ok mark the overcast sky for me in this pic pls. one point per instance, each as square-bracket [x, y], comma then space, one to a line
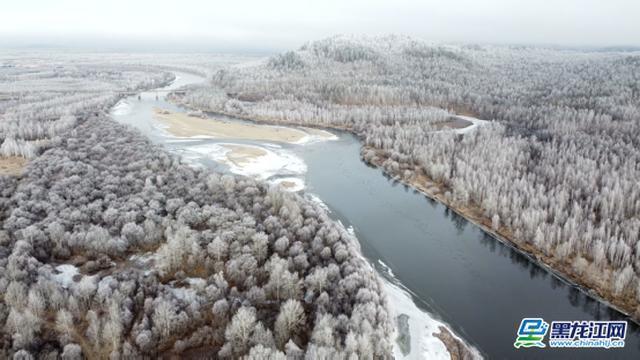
[282, 24]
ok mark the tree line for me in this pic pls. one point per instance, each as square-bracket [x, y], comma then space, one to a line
[557, 168]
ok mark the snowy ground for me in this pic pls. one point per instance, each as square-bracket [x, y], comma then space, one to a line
[291, 184]
[123, 107]
[64, 275]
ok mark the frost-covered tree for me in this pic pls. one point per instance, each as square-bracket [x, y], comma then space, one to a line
[290, 320]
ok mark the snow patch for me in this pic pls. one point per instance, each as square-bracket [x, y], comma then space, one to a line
[185, 294]
[273, 162]
[292, 184]
[421, 326]
[196, 282]
[311, 138]
[65, 274]
[122, 108]
[351, 231]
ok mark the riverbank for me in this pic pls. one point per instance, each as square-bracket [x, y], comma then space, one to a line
[597, 288]
[457, 349]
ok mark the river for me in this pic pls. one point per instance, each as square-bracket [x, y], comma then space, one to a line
[452, 270]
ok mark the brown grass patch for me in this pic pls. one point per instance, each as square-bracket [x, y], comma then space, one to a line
[183, 125]
[12, 165]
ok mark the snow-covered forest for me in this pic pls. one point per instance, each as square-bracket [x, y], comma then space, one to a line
[41, 101]
[112, 248]
[556, 172]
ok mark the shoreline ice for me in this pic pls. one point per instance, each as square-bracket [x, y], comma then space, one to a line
[274, 161]
[422, 325]
[122, 108]
[298, 184]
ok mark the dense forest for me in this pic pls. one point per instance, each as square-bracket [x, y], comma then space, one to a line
[112, 248]
[556, 171]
